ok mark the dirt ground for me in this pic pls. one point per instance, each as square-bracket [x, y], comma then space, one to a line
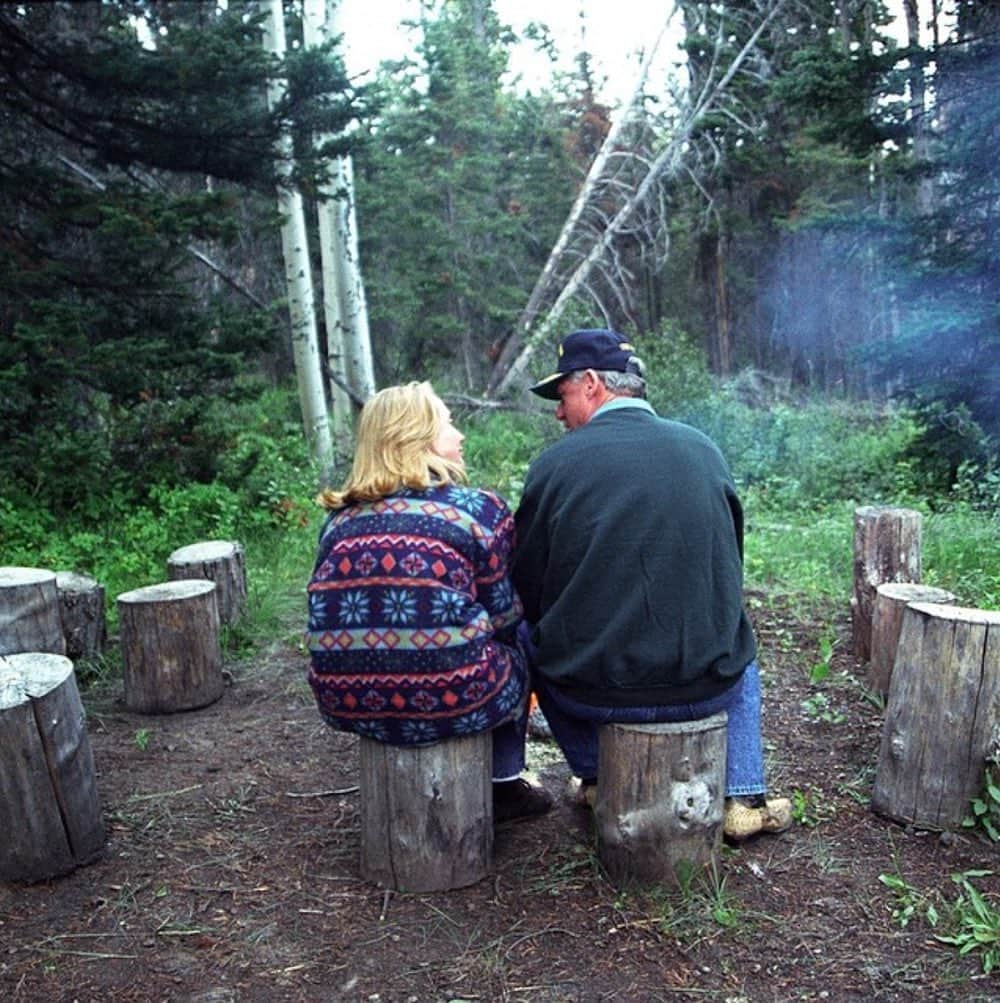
[231, 872]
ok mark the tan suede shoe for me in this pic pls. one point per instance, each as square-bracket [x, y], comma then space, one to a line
[741, 821]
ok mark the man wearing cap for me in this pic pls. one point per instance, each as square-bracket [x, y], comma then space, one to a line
[629, 564]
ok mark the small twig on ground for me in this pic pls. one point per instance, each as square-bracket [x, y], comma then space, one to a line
[387, 894]
[163, 794]
[322, 794]
[442, 914]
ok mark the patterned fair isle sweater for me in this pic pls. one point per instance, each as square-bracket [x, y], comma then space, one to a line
[412, 617]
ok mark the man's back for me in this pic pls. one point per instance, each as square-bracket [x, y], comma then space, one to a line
[629, 562]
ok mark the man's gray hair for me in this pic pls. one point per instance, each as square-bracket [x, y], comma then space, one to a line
[630, 384]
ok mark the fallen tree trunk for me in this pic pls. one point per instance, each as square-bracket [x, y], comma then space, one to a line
[666, 163]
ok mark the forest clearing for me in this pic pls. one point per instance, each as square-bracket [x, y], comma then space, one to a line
[216, 244]
[231, 871]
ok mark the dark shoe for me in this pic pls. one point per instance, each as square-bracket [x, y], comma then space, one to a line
[516, 800]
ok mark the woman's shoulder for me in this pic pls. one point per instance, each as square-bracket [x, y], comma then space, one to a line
[483, 504]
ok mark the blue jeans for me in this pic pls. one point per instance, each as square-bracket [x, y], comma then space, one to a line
[575, 728]
[508, 743]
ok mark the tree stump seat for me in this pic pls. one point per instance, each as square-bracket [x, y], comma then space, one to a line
[427, 813]
[660, 799]
[48, 795]
[219, 561]
[886, 549]
[29, 611]
[170, 645]
[942, 721]
[81, 606]
[891, 600]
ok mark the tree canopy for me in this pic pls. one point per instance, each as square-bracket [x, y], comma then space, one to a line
[829, 219]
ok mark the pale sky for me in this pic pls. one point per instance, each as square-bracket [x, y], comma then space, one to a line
[616, 31]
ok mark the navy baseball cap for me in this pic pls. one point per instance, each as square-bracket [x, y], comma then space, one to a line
[590, 349]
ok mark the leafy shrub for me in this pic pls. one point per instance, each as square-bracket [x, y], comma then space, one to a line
[815, 453]
[499, 447]
[677, 371]
[948, 439]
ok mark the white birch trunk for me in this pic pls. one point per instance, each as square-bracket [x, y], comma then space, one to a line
[348, 337]
[298, 272]
[357, 338]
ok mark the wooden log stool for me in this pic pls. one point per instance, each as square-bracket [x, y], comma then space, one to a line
[219, 561]
[81, 607]
[886, 549]
[170, 646]
[48, 796]
[891, 600]
[427, 813]
[29, 611]
[942, 721]
[660, 799]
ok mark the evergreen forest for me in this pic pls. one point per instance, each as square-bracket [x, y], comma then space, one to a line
[795, 222]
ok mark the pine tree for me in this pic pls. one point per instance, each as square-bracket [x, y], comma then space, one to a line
[116, 115]
[461, 188]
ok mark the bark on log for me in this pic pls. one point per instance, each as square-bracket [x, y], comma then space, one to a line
[886, 549]
[81, 606]
[29, 611]
[891, 601]
[170, 646]
[427, 813]
[48, 795]
[660, 798]
[219, 561]
[943, 717]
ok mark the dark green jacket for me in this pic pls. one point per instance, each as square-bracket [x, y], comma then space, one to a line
[629, 563]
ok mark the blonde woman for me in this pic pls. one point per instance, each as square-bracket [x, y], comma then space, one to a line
[412, 617]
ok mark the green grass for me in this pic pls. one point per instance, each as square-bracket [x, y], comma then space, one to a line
[802, 472]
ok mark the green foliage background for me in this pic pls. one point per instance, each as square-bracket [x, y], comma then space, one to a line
[838, 339]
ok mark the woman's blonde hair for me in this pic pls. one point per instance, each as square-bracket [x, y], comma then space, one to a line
[395, 448]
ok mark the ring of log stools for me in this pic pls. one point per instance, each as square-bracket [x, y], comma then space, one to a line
[660, 799]
[427, 813]
[48, 795]
[171, 652]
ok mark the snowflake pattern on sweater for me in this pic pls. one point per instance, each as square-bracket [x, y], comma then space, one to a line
[413, 621]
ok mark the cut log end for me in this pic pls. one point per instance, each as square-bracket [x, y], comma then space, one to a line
[48, 794]
[30, 675]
